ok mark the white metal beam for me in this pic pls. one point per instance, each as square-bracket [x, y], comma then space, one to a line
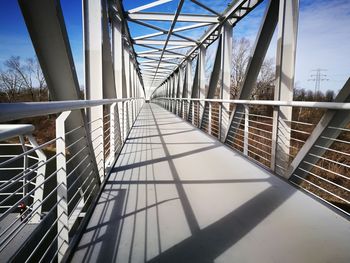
[159, 55]
[109, 90]
[169, 17]
[226, 78]
[162, 42]
[164, 32]
[93, 76]
[212, 33]
[147, 6]
[213, 81]
[45, 18]
[256, 59]
[285, 67]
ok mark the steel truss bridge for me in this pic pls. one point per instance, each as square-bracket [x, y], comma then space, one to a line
[155, 164]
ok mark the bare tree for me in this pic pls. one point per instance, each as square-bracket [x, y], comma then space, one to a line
[10, 84]
[265, 84]
[28, 74]
[14, 64]
[34, 69]
[240, 58]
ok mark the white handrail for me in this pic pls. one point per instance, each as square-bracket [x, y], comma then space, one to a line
[304, 104]
[8, 131]
[15, 111]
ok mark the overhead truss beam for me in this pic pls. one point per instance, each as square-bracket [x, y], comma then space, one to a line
[169, 17]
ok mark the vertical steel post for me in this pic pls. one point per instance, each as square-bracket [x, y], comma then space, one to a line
[39, 181]
[171, 93]
[127, 85]
[173, 77]
[188, 85]
[246, 130]
[214, 80]
[93, 76]
[131, 92]
[112, 134]
[202, 82]
[62, 197]
[176, 86]
[135, 92]
[180, 91]
[226, 78]
[285, 67]
[25, 165]
[109, 89]
[118, 66]
[209, 118]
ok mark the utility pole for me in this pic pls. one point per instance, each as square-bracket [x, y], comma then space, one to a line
[318, 77]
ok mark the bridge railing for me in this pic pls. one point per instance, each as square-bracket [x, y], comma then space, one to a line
[48, 184]
[279, 144]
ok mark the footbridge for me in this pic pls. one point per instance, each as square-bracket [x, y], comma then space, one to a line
[156, 164]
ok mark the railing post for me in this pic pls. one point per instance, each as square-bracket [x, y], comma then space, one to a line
[39, 193]
[125, 119]
[112, 135]
[62, 198]
[197, 110]
[127, 112]
[180, 108]
[176, 106]
[210, 117]
[274, 137]
[220, 119]
[25, 164]
[192, 107]
[132, 112]
[246, 130]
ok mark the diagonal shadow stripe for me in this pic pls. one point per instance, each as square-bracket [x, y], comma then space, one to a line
[189, 214]
[223, 181]
[166, 158]
[207, 244]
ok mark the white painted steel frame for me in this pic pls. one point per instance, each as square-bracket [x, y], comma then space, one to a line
[236, 11]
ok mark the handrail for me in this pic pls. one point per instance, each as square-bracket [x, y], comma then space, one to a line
[15, 111]
[305, 104]
[11, 130]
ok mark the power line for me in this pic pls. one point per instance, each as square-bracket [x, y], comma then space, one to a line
[318, 77]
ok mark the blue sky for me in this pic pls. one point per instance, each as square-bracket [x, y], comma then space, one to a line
[323, 37]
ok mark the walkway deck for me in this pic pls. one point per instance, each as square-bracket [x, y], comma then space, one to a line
[178, 195]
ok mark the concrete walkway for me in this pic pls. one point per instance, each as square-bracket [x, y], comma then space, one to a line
[178, 195]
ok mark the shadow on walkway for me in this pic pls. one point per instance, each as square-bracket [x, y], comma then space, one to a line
[101, 241]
